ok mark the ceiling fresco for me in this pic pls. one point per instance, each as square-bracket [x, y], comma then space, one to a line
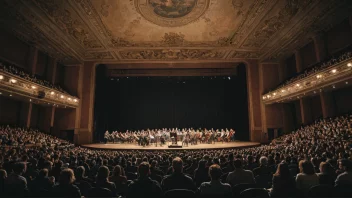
[113, 31]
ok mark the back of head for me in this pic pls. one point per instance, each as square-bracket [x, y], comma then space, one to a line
[177, 165]
[117, 170]
[80, 171]
[103, 173]
[19, 168]
[346, 164]
[306, 167]
[237, 163]
[3, 174]
[215, 172]
[143, 169]
[263, 161]
[43, 173]
[283, 170]
[67, 177]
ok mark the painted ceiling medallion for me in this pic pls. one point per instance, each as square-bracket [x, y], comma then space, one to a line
[171, 13]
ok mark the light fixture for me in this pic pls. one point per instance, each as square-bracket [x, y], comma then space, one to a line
[333, 71]
[52, 93]
[349, 64]
[30, 100]
[229, 78]
[268, 96]
[0, 93]
[297, 84]
[315, 92]
[319, 76]
[1, 77]
[13, 80]
[69, 99]
[62, 96]
[74, 100]
[274, 94]
[10, 94]
[34, 87]
[333, 87]
[346, 82]
[283, 91]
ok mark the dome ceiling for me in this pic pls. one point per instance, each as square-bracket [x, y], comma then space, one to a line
[114, 31]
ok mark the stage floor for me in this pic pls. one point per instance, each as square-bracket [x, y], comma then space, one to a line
[126, 146]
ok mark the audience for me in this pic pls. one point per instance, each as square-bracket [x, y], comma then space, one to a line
[47, 164]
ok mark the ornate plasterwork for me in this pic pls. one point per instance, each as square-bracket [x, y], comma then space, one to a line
[167, 14]
[89, 30]
[172, 54]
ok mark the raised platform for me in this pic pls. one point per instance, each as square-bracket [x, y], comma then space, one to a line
[125, 146]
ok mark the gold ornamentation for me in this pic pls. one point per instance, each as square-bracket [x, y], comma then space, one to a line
[171, 13]
[173, 39]
[172, 54]
[242, 54]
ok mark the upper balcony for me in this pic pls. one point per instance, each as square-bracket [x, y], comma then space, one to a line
[325, 76]
[22, 86]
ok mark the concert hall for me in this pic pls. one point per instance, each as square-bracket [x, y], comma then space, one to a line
[176, 98]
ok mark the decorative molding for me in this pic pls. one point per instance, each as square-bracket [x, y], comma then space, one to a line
[172, 54]
[167, 14]
[301, 87]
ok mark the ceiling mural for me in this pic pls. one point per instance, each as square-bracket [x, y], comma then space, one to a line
[169, 30]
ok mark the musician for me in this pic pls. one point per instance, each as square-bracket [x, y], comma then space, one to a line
[106, 136]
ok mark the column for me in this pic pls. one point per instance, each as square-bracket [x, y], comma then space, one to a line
[51, 75]
[85, 112]
[306, 115]
[282, 71]
[287, 118]
[32, 65]
[326, 100]
[254, 101]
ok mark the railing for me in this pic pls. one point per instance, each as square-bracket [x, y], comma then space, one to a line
[11, 83]
[340, 71]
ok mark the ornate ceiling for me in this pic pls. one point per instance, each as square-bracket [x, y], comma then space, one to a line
[114, 31]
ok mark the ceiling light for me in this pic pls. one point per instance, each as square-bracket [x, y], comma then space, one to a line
[13, 80]
[1, 77]
[52, 93]
[34, 87]
[334, 71]
[349, 64]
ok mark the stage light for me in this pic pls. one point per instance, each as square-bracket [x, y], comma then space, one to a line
[349, 64]
[13, 81]
[34, 87]
[333, 71]
[52, 93]
[1, 77]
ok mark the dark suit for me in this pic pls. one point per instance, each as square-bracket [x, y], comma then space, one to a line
[144, 187]
[282, 187]
[177, 181]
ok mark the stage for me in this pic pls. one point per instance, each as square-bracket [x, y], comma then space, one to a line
[127, 146]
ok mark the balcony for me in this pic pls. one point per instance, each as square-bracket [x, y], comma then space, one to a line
[22, 89]
[336, 73]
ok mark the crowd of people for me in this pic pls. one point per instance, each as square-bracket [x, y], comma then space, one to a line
[30, 77]
[315, 69]
[318, 155]
[161, 136]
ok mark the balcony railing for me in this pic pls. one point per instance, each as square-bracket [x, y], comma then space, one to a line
[317, 80]
[11, 83]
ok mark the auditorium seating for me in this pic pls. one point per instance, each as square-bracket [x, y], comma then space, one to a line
[325, 140]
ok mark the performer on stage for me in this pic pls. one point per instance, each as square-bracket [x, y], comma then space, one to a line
[106, 136]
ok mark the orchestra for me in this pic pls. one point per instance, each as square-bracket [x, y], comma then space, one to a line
[161, 136]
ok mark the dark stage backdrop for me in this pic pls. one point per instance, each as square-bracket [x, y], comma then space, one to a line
[136, 103]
